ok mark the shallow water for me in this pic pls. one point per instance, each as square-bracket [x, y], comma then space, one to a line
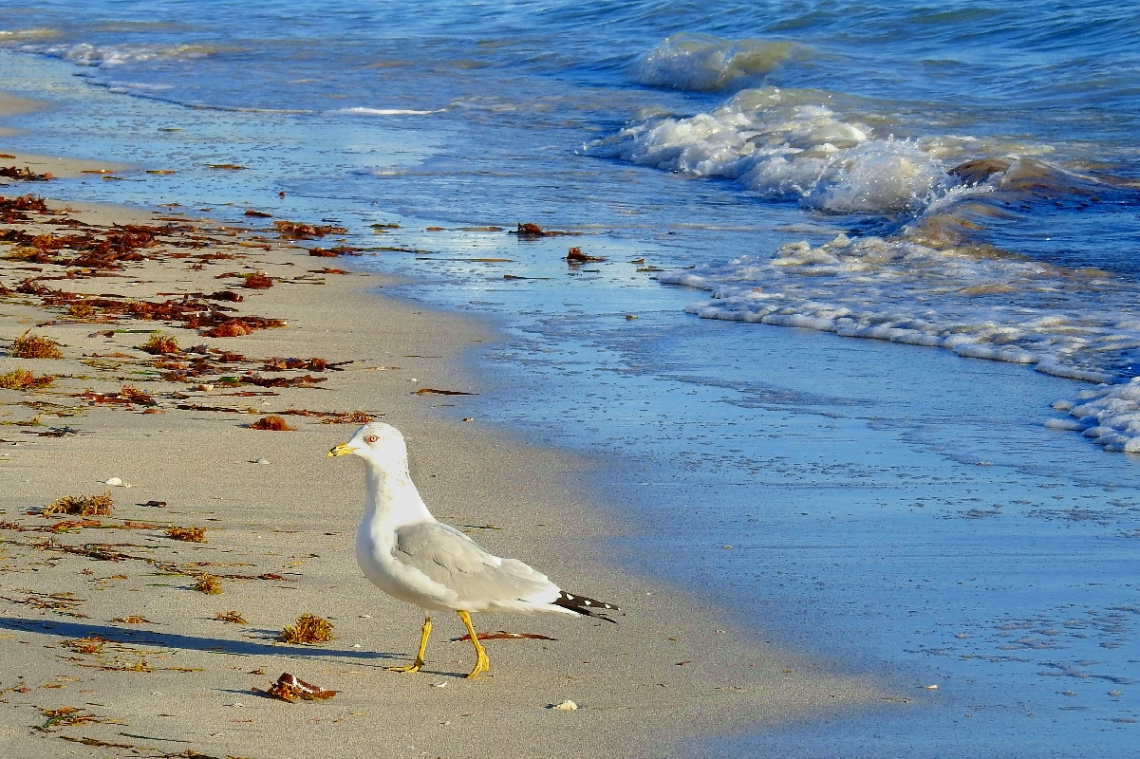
[964, 178]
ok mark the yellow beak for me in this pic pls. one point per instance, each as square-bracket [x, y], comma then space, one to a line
[340, 450]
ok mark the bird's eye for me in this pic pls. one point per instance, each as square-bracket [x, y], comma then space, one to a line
[371, 439]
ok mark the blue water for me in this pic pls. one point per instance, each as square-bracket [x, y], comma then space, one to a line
[962, 177]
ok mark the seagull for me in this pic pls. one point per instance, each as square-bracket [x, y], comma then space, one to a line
[405, 552]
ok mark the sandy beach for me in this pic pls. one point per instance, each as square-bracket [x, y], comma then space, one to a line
[107, 647]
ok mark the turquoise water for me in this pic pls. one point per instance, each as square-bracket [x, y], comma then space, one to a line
[960, 177]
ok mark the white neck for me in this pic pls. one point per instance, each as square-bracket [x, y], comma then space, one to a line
[391, 496]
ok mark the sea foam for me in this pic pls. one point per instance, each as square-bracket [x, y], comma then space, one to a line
[788, 145]
[963, 299]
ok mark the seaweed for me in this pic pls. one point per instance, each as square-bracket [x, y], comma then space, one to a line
[83, 505]
[65, 716]
[187, 534]
[340, 250]
[208, 584]
[28, 345]
[350, 417]
[314, 364]
[577, 257]
[291, 230]
[257, 281]
[127, 396]
[161, 345]
[529, 231]
[272, 423]
[24, 175]
[22, 379]
[308, 628]
[232, 617]
[131, 620]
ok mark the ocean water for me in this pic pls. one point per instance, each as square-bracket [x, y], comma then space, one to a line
[763, 181]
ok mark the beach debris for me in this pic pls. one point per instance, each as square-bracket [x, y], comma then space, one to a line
[132, 620]
[576, 256]
[186, 534]
[258, 214]
[433, 391]
[128, 395]
[12, 209]
[232, 617]
[28, 345]
[565, 706]
[272, 422]
[349, 417]
[63, 603]
[22, 379]
[530, 231]
[65, 716]
[227, 166]
[23, 175]
[155, 504]
[930, 687]
[291, 688]
[340, 250]
[161, 345]
[82, 505]
[257, 281]
[260, 461]
[308, 628]
[291, 230]
[314, 364]
[208, 584]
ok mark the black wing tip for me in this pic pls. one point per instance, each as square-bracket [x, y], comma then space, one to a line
[587, 607]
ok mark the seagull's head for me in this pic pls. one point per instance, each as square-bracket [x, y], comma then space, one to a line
[378, 443]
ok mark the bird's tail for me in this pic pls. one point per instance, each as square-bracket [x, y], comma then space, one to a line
[587, 607]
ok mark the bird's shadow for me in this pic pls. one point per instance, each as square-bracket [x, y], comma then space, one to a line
[162, 639]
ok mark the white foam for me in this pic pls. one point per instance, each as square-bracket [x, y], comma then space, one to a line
[973, 302]
[95, 56]
[361, 111]
[1108, 414]
[787, 144]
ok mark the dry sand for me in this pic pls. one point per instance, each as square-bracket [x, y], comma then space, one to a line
[101, 616]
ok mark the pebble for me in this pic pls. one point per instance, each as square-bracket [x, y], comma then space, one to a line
[565, 706]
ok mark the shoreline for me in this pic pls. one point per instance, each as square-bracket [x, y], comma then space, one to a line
[679, 671]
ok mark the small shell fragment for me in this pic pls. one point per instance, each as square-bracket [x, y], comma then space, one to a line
[930, 687]
[114, 482]
[565, 706]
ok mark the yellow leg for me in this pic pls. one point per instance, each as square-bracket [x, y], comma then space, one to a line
[419, 662]
[482, 663]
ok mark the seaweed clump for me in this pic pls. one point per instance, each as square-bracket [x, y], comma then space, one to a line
[161, 345]
[187, 534]
[272, 422]
[308, 628]
[208, 584]
[82, 505]
[28, 345]
[22, 379]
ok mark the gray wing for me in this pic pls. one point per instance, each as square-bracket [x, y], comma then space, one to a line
[478, 579]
